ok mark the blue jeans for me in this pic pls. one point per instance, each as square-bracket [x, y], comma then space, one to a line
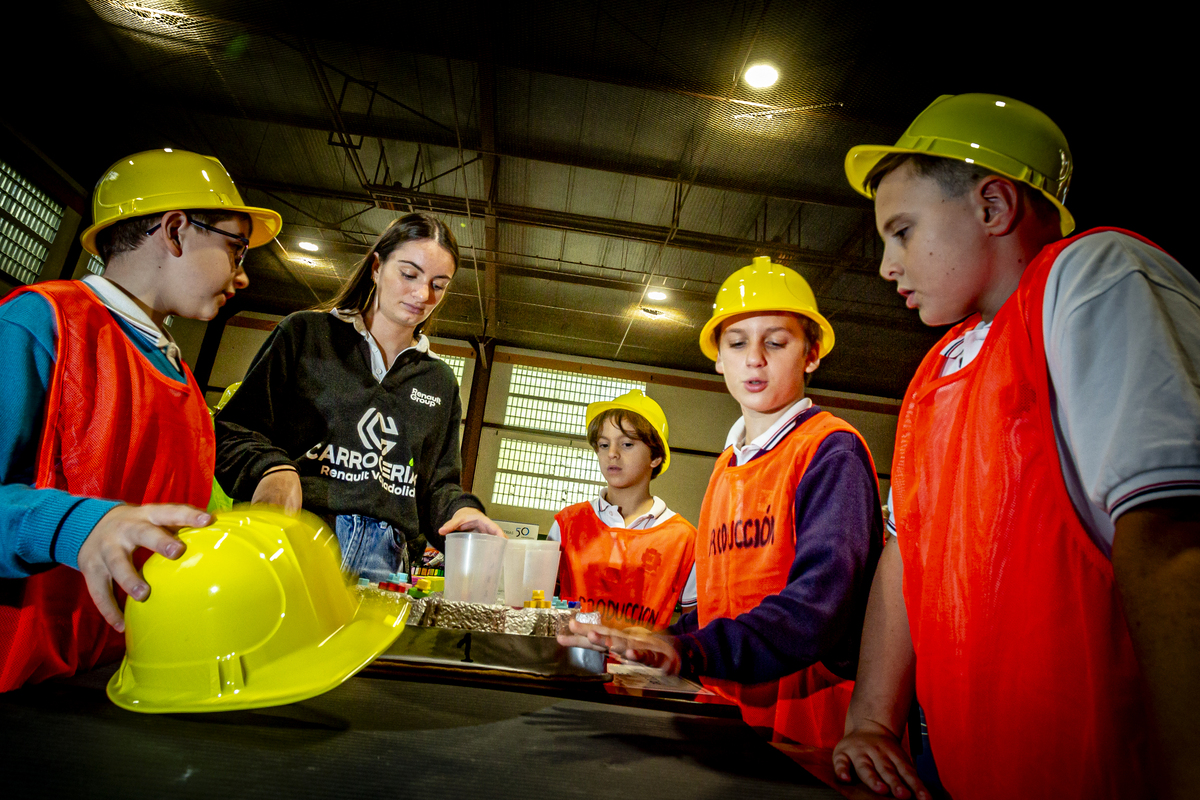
[369, 547]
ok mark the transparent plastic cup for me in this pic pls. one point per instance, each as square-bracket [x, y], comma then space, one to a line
[473, 563]
[529, 564]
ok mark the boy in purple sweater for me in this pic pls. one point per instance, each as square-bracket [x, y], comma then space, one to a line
[790, 530]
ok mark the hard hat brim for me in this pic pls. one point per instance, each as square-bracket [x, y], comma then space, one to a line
[301, 675]
[265, 224]
[708, 334]
[863, 158]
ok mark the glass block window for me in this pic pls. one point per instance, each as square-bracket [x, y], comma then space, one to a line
[549, 477]
[456, 363]
[29, 222]
[556, 401]
[95, 265]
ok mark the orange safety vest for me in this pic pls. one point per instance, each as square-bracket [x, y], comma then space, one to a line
[748, 547]
[115, 428]
[1025, 667]
[632, 577]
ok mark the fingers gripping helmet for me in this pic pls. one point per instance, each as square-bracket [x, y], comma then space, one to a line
[1006, 136]
[255, 613]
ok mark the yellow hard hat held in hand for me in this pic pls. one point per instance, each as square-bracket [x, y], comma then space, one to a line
[765, 288]
[255, 613]
[158, 181]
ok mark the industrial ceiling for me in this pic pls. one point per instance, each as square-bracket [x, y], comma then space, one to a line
[588, 154]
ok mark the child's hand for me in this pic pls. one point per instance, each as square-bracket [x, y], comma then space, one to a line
[471, 519]
[280, 488]
[880, 762]
[641, 646]
[107, 552]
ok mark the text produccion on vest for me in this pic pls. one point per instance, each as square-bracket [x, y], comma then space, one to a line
[742, 534]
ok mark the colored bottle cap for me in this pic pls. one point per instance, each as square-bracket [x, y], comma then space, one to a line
[364, 581]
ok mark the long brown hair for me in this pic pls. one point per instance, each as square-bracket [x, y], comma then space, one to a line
[355, 295]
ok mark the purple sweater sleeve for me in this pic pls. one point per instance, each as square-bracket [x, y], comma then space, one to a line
[818, 615]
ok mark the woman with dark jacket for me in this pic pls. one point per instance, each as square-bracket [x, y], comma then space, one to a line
[346, 411]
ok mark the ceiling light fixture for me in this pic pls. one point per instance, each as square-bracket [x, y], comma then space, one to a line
[309, 246]
[656, 295]
[760, 76]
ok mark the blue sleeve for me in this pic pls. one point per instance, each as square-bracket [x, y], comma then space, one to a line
[818, 615]
[38, 527]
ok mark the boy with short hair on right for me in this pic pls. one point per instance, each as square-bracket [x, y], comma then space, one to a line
[624, 553]
[1042, 591]
[790, 530]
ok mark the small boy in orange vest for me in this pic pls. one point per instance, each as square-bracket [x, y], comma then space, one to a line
[624, 553]
[106, 445]
[790, 530]
[1042, 594]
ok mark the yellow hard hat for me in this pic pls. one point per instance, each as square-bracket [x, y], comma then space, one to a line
[764, 287]
[1004, 135]
[229, 392]
[637, 402]
[255, 613]
[158, 181]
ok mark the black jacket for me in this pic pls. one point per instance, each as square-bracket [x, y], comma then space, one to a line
[386, 450]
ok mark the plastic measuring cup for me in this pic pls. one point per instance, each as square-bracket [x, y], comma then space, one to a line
[529, 564]
[473, 562]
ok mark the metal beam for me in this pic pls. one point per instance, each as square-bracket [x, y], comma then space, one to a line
[399, 130]
[398, 199]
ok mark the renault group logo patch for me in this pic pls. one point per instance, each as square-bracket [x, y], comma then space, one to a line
[424, 399]
[371, 428]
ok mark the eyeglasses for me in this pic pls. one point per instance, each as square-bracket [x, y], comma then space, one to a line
[238, 257]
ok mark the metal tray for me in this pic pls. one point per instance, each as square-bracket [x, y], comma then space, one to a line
[530, 656]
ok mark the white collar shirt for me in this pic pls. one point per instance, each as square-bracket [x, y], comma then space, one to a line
[743, 452]
[121, 304]
[379, 367]
[962, 351]
[610, 514]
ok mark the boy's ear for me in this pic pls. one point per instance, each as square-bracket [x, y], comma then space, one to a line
[170, 223]
[814, 361]
[654, 462]
[997, 202]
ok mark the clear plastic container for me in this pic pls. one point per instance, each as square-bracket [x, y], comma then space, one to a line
[529, 564]
[473, 563]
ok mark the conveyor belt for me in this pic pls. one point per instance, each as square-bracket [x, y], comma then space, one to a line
[383, 738]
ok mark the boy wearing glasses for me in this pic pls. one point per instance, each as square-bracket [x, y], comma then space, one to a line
[105, 441]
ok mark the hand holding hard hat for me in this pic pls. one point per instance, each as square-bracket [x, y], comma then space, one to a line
[256, 613]
[107, 553]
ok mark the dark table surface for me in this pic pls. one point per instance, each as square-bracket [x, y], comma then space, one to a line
[382, 735]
